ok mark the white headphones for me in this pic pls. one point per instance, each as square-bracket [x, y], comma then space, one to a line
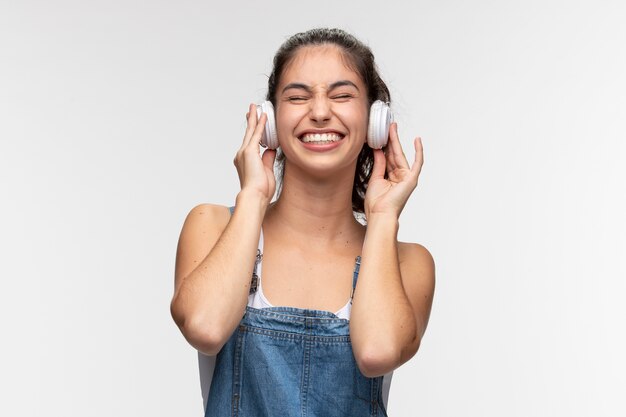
[381, 118]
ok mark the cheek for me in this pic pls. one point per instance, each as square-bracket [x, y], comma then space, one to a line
[284, 128]
[286, 122]
[357, 118]
[280, 124]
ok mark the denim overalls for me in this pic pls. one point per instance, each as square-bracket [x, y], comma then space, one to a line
[292, 362]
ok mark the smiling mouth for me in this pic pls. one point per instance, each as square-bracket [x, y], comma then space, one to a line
[320, 138]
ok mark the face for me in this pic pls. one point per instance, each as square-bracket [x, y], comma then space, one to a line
[321, 111]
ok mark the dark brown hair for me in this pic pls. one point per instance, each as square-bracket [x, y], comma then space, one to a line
[361, 60]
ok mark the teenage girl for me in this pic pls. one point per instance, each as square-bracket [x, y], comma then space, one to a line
[295, 306]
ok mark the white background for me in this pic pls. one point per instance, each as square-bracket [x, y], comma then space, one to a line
[117, 117]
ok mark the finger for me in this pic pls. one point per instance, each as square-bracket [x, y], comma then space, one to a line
[396, 148]
[255, 138]
[391, 161]
[380, 163]
[252, 123]
[419, 157]
[268, 157]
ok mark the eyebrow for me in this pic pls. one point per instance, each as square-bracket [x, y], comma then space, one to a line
[307, 88]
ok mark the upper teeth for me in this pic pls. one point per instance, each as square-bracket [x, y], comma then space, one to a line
[321, 137]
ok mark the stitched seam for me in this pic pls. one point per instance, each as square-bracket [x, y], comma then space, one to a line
[284, 314]
[297, 336]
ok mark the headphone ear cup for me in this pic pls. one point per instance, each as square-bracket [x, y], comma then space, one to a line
[380, 121]
[269, 137]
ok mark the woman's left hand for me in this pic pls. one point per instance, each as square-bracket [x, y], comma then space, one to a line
[389, 195]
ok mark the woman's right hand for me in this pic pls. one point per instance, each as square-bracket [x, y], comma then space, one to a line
[256, 172]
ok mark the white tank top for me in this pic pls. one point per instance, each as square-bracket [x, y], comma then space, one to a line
[258, 300]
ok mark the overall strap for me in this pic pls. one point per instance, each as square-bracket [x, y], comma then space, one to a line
[355, 275]
[231, 209]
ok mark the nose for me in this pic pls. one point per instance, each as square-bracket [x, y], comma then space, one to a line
[320, 109]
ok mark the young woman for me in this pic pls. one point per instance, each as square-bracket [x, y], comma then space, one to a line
[339, 304]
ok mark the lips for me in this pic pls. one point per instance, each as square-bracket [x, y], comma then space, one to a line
[321, 137]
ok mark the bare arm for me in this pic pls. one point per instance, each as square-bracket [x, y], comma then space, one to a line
[216, 254]
[213, 270]
[392, 300]
[394, 293]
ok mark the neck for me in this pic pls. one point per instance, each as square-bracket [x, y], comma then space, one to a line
[318, 209]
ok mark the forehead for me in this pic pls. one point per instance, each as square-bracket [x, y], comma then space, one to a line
[319, 64]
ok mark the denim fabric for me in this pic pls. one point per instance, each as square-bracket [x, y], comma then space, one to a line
[286, 361]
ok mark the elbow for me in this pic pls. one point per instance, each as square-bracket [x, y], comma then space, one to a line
[380, 360]
[204, 337]
[376, 362]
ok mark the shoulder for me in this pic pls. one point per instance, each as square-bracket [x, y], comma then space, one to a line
[207, 215]
[416, 255]
[204, 223]
[417, 268]
[203, 226]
